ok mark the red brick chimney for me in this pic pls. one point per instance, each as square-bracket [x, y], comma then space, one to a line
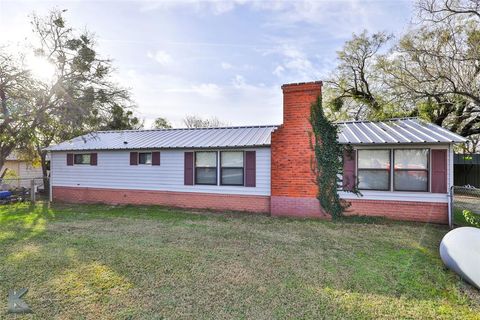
[293, 188]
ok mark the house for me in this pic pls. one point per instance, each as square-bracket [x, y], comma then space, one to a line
[404, 166]
[18, 172]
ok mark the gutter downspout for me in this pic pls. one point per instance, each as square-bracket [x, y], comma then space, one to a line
[451, 187]
[50, 191]
[450, 207]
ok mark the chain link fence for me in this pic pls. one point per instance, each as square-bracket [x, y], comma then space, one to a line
[24, 189]
[466, 206]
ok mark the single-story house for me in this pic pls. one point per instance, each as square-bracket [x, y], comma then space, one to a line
[18, 172]
[404, 167]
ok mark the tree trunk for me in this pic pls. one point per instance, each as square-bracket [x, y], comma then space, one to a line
[4, 153]
[43, 161]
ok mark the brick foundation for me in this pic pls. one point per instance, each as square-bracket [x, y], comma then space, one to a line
[257, 204]
[401, 210]
[296, 207]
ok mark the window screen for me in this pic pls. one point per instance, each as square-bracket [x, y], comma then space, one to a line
[373, 169]
[145, 158]
[411, 169]
[82, 158]
[206, 168]
[232, 168]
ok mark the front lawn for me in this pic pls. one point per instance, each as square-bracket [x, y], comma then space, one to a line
[102, 262]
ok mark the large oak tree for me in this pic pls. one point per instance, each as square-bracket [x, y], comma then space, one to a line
[432, 71]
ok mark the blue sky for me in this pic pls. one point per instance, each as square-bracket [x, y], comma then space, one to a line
[218, 58]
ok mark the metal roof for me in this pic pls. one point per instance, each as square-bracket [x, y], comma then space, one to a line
[394, 131]
[405, 130]
[228, 137]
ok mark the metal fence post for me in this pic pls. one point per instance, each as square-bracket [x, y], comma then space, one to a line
[32, 190]
[450, 207]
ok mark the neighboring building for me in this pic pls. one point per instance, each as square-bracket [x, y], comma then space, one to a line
[404, 166]
[22, 170]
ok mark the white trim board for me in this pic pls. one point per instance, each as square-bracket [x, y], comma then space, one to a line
[396, 196]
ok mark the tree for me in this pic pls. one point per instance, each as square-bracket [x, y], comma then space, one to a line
[161, 123]
[436, 67]
[439, 11]
[433, 71]
[16, 104]
[355, 89]
[121, 119]
[194, 121]
[81, 96]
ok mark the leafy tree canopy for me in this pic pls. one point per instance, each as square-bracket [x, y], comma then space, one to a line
[432, 71]
[162, 123]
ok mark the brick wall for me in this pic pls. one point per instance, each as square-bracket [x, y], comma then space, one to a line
[293, 184]
[296, 207]
[401, 210]
[258, 204]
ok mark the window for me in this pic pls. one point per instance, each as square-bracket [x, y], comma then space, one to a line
[206, 168]
[374, 169]
[144, 158]
[231, 168]
[410, 170]
[83, 158]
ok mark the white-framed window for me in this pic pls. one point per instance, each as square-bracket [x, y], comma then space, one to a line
[145, 158]
[232, 168]
[373, 169]
[393, 169]
[82, 158]
[411, 169]
[206, 167]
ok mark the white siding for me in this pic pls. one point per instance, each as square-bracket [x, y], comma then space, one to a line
[115, 172]
[402, 195]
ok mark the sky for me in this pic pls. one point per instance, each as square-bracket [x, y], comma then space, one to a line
[226, 59]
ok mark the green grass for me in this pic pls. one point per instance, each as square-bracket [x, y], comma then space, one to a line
[103, 262]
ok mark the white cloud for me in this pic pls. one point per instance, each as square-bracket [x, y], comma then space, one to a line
[295, 64]
[208, 90]
[226, 66]
[278, 71]
[161, 57]
[238, 102]
[238, 81]
[217, 7]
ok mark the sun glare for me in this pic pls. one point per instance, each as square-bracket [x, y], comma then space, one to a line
[41, 68]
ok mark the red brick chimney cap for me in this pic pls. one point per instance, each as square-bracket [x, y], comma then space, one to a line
[300, 86]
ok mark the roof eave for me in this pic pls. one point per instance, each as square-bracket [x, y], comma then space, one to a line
[163, 148]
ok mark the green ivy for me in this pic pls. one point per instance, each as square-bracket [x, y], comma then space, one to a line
[329, 161]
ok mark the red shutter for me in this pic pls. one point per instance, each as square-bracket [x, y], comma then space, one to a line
[439, 171]
[188, 169]
[69, 159]
[93, 159]
[133, 158]
[349, 164]
[155, 158]
[250, 169]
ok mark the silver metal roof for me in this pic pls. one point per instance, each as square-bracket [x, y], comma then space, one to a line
[406, 130]
[228, 137]
[395, 131]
